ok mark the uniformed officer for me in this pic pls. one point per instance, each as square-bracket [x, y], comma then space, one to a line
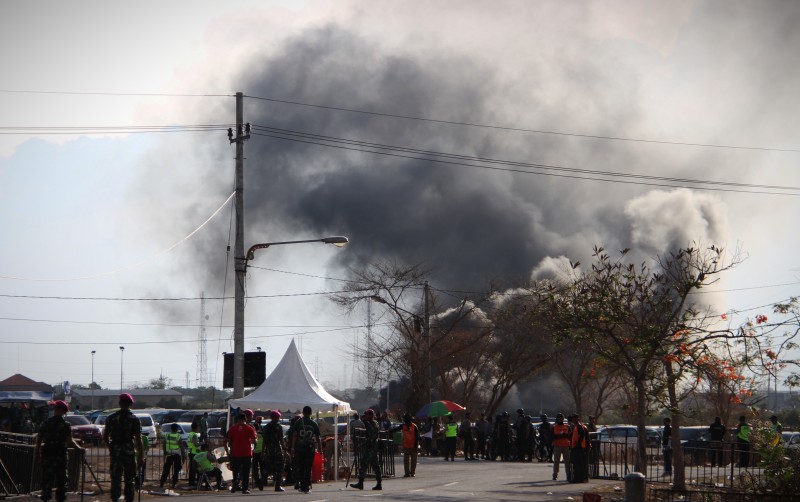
[305, 442]
[368, 451]
[207, 464]
[172, 456]
[141, 461]
[258, 455]
[193, 447]
[450, 438]
[123, 435]
[56, 434]
[274, 449]
[743, 430]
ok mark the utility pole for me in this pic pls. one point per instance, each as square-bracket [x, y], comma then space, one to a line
[428, 336]
[240, 260]
[202, 372]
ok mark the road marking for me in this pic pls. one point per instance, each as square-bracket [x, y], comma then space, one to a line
[417, 490]
[451, 484]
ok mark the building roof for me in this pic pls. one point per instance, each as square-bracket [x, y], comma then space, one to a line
[20, 382]
[132, 392]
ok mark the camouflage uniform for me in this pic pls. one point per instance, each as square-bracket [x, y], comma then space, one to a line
[54, 433]
[122, 427]
[368, 450]
[273, 451]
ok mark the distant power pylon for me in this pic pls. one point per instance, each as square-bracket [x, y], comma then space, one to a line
[202, 371]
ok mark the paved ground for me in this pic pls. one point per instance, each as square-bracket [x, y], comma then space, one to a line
[439, 480]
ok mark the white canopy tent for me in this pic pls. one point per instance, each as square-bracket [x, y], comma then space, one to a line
[291, 386]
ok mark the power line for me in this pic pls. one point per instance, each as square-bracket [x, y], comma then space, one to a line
[542, 166]
[348, 141]
[304, 275]
[169, 325]
[165, 299]
[411, 117]
[166, 342]
[151, 94]
[132, 265]
[89, 130]
[519, 129]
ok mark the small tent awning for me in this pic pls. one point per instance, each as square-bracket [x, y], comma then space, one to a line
[25, 396]
[290, 386]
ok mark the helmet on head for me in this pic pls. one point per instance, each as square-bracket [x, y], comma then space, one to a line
[520, 411]
[504, 414]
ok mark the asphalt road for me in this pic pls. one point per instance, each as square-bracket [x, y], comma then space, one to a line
[439, 480]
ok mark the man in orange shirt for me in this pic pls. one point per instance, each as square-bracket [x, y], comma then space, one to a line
[562, 439]
[410, 446]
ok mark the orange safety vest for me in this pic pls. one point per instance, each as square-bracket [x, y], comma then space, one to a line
[409, 435]
[578, 440]
[561, 435]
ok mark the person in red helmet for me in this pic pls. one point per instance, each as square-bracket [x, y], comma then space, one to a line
[123, 435]
[274, 449]
[56, 435]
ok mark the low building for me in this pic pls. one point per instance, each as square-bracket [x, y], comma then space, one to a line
[143, 398]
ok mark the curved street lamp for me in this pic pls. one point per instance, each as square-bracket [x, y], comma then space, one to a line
[238, 311]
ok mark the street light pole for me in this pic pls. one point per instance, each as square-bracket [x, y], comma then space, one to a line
[121, 352]
[238, 324]
[92, 383]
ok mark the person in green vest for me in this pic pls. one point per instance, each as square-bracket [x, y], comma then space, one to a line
[172, 456]
[193, 448]
[258, 454]
[450, 438]
[206, 463]
[141, 458]
[743, 430]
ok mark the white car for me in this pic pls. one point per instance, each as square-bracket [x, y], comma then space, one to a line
[791, 439]
[184, 428]
[148, 426]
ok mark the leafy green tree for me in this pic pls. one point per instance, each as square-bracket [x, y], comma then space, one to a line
[629, 314]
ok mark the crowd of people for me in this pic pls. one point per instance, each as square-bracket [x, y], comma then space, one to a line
[522, 439]
[263, 451]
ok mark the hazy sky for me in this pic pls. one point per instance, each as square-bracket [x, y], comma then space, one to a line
[88, 221]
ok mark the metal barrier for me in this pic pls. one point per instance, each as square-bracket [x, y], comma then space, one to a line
[21, 471]
[385, 458]
[720, 465]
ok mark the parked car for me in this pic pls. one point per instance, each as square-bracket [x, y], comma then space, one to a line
[169, 416]
[100, 422]
[84, 431]
[184, 428]
[148, 426]
[629, 434]
[791, 439]
[696, 442]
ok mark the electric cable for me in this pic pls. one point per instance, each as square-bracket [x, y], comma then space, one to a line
[520, 129]
[521, 171]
